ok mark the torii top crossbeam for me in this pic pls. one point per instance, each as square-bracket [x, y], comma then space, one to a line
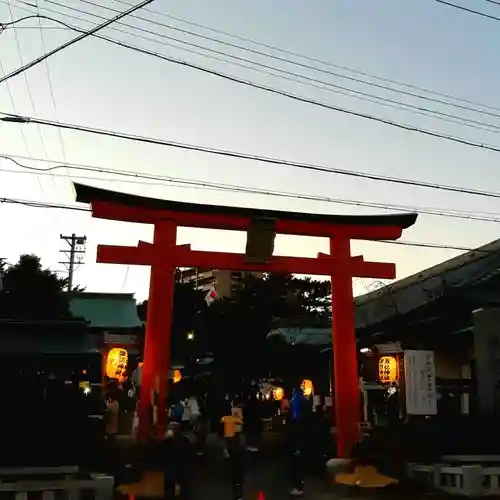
[131, 208]
[113, 205]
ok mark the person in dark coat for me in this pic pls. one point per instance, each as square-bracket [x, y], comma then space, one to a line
[253, 423]
[178, 456]
[296, 439]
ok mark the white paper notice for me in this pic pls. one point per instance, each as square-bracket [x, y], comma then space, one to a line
[420, 383]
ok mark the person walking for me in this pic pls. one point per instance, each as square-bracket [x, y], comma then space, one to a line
[112, 416]
[178, 464]
[186, 419]
[200, 425]
[297, 414]
[234, 451]
[253, 423]
[176, 410]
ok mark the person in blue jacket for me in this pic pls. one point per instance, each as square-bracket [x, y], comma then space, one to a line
[298, 410]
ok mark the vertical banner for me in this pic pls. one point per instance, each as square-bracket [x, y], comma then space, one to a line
[420, 383]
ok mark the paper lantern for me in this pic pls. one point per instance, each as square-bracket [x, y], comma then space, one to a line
[387, 369]
[177, 376]
[307, 387]
[278, 393]
[116, 363]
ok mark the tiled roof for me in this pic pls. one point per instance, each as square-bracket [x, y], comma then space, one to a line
[312, 336]
[422, 288]
[103, 310]
[408, 294]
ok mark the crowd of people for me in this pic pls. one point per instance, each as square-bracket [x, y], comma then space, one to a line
[240, 430]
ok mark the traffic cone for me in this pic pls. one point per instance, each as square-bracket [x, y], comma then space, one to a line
[261, 496]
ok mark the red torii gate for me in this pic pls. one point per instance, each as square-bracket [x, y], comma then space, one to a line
[164, 256]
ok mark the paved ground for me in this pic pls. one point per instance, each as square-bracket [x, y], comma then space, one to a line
[267, 473]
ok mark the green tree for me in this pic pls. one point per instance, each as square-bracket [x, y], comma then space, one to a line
[31, 293]
[235, 330]
[187, 315]
[310, 302]
[238, 328]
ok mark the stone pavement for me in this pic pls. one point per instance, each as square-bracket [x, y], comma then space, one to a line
[268, 476]
[267, 472]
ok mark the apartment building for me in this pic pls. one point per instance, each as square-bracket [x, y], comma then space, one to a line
[225, 282]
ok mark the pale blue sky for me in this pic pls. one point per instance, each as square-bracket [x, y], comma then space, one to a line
[97, 84]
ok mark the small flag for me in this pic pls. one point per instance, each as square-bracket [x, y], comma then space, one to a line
[211, 297]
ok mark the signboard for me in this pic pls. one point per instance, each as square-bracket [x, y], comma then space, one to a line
[420, 383]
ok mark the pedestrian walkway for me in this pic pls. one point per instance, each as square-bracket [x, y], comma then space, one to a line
[267, 472]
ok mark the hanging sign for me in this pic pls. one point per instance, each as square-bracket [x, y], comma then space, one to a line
[420, 383]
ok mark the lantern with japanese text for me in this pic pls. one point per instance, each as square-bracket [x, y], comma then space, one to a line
[278, 393]
[116, 363]
[177, 376]
[307, 387]
[387, 369]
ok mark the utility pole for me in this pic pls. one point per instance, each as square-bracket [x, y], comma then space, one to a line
[74, 255]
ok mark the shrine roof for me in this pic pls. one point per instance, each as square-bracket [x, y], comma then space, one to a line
[110, 311]
[88, 194]
[458, 274]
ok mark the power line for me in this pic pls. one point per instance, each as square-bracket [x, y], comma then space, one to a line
[433, 186]
[13, 102]
[42, 204]
[235, 79]
[59, 28]
[327, 86]
[14, 107]
[262, 54]
[197, 184]
[466, 9]
[38, 60]
[49, 80]
[28, 88]
[15, 118]
[417, 244]
[495, 2]
[296, 54]
[296, 77]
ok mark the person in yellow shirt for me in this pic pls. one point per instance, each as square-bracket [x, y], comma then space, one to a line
[233, 424]
[234, 451]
